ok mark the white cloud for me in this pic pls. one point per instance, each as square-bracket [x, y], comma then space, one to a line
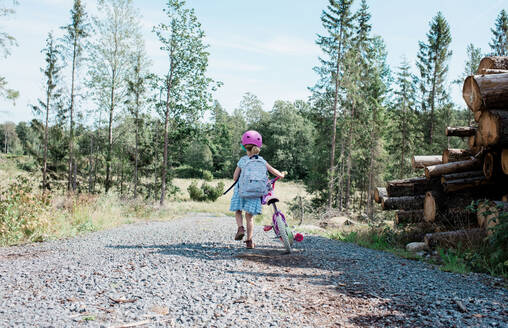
[282, 44]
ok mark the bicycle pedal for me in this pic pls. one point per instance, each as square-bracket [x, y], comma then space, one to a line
[267, 228]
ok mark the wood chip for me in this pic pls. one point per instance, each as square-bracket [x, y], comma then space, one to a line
[132, 324]
[461, 306]
[242, 299]
[162, 310]
[122, 300]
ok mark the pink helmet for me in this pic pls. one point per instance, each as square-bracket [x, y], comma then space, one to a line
[252, 138]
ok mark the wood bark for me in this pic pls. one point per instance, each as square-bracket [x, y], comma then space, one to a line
[493, 62]
[456, 155]
[461, 131]
[493, 128]
[484, 92]
[402, 203]
[463, 184]
[411, 186]
[405, 217]
[379, 194]
[477, 115]
[455, 167]
[490, 213]
[504, 161]
[420, 162]
[461, 175]
[493, 71]
[453, 238]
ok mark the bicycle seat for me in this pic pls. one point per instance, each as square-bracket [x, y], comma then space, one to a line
[271, 199]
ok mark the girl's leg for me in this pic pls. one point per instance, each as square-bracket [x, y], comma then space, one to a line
[239, 218]
[250, 225]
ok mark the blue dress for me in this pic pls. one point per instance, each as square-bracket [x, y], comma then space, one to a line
[249, 205]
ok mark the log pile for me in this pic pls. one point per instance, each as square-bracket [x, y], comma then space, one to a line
[461, 177]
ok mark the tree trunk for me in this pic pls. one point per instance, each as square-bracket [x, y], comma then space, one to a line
[485, 92]
[456, 155]
[504, 161]
[90, 164]
[110, 133]
[71, 184]
[411, 186]
[420, 162]
[405, 217]
[465, 183]
[490, 213]
[402, 203]
[349, 157]
[45, 157]
[379, 194]
[331, 185]
[453, 238]
[136, 149]
[455, 167]
[493, 127]
[493, 62]
[461, 175]
[438, 203]
[493, 71]
[166, 123]
[461, 131]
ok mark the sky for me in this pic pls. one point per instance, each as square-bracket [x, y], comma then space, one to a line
[264, 47]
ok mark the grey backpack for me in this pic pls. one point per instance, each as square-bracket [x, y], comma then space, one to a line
[253, 179]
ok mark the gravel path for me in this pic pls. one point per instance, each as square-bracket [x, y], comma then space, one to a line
[190, 273]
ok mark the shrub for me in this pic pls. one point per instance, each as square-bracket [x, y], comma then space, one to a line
[206, 192]
[22, 213]
[207, 175]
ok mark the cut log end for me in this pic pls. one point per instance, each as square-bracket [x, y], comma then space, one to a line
[379, 194]
[493, 63]
[470, 93]
[504, 161]
[429, 207]
[488, 166]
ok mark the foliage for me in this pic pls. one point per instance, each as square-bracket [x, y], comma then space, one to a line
[22, 212]
[433, 56]
[499, 43]
[7, 41]
[206, 192]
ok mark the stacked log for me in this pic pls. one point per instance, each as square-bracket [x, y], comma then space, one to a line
[460, 178]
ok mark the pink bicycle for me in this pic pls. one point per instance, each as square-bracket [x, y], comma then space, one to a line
[279, 224]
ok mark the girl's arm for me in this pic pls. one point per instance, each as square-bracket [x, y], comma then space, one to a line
[237, 173]
[273, 171]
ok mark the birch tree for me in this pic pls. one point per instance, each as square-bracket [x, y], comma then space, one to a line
[185, 85]
[115, 32]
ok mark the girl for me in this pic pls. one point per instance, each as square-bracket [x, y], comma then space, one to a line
[251, 142]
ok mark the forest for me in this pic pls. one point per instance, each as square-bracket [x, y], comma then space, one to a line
[105, 122]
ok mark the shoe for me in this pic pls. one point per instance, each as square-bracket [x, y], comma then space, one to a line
[240, 233]
[249, 244]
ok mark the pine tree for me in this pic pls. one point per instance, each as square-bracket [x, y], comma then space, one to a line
[76, 32]
[115, 32]
[337, 20]
[186, 85]
[404, 132]
[474, 56]
[499, 44]
[432, 64]
[52, 53]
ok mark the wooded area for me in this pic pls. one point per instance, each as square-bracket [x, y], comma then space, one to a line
[362, 125]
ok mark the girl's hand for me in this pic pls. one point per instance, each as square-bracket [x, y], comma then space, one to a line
[283, 174]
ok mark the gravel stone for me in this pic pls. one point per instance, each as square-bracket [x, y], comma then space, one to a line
[191, 273]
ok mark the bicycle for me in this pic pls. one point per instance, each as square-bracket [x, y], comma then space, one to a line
[279, 224]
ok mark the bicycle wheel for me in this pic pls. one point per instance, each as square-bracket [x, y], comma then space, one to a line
[283, 233]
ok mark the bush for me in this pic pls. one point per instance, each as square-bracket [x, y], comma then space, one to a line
[22, 213]
[206, 192]
[207, 175]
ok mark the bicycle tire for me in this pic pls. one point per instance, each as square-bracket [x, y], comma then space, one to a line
[283, 233]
